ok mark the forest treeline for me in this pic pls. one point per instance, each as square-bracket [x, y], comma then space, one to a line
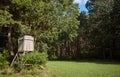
[60, 30]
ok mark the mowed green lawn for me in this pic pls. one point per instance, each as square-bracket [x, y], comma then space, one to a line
[84, 69]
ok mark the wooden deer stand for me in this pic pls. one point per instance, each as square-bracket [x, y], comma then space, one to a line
[25, 44]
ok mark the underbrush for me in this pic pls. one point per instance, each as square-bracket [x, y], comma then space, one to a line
[4, 60]
[33, 64]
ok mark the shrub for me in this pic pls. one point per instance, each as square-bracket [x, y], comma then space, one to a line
[4, 63]
[53, 57]
[35, 58]
[31, 59]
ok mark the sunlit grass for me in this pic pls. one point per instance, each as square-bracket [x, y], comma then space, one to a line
[85, 69]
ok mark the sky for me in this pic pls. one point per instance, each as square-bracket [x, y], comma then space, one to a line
[81, 4]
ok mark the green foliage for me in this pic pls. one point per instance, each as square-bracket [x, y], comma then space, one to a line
[29, 60]
[5, 18]
[103, 28]
[36, 58]
[43, 47]
[4, 62]
[51, 22]
[53, 57]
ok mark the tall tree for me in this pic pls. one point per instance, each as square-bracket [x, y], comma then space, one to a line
[6, 20]
[115, 29]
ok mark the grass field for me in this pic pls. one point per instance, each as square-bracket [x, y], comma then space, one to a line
[85, 69]
[79, 69]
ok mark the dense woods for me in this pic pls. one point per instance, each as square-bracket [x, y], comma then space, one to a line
[60, 30]
[98, 32]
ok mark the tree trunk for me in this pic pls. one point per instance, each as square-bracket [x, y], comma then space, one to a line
[10, 45]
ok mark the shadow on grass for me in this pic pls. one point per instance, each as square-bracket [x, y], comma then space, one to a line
[100, 61]
[93, 61]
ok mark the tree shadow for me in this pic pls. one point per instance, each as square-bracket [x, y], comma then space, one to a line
[100, 61]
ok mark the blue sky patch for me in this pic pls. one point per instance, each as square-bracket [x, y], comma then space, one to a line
[81, 4]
